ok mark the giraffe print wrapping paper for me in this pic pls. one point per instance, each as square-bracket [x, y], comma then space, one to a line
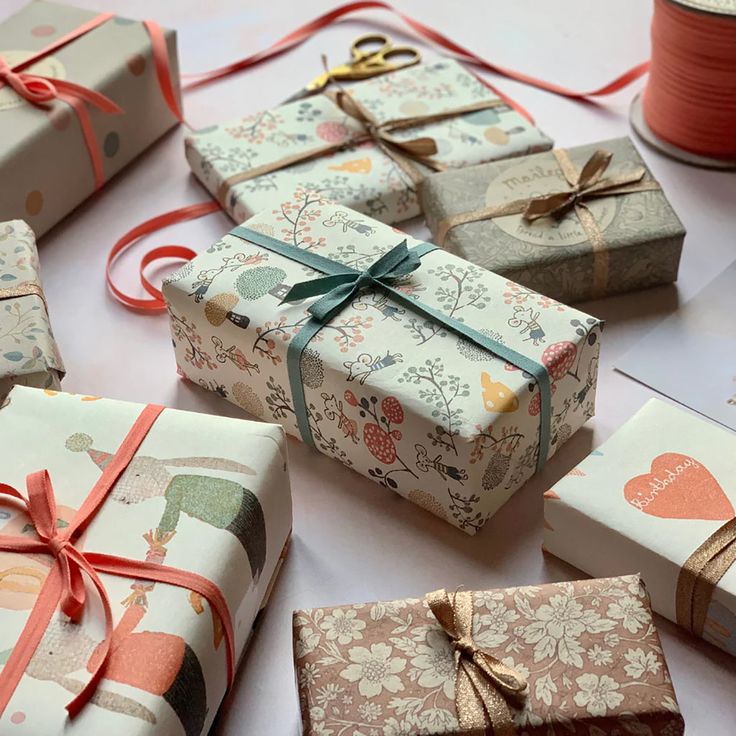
[646, 500]
[207, 494]
[401, 400]
[361, 177]
[41, 145]
[28, 351]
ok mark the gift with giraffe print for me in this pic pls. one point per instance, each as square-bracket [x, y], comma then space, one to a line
[320, 144]
[205, 494]
[454, 408]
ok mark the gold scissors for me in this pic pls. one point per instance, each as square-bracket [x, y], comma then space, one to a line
[373, 54]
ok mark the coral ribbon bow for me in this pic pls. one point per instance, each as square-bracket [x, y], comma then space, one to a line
[339, 289]
[589, 183]
[484, 686]
[65, 586]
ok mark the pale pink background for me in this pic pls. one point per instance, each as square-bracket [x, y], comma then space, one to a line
[354, 541]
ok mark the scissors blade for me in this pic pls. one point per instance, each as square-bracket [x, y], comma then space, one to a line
[300, 95]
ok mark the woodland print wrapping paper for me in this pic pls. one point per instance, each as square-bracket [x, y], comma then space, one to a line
[45, 164]
[588, 650]
[28, 351]
[646, 500]
[361, 177]
[213, 491]
[397, 397]
[643, 236]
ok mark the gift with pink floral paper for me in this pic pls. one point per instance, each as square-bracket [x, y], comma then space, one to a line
[435, 378]
[574, 658]
[659, 496]
[28, 352]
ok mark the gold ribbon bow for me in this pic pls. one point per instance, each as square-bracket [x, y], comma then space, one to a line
[485, 688]
[700, 575]
[404, 152]
[588, 183]
[27, 289]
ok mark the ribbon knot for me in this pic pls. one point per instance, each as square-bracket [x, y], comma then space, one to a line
[589, 182]
[36, 90]
[339, 289]
[485, 688]
[57, 545]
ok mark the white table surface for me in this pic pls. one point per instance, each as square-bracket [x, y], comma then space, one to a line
[353, 540]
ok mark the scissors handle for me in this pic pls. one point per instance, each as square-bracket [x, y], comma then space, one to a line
[375, 53]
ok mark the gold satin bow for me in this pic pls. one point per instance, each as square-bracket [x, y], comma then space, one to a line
[587, 184]
[485, 688]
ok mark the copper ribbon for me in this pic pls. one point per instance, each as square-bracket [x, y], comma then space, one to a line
[404, 152]
[700, 575]
[485, 688]
[588, 183]
[64, 586]
[28, 289]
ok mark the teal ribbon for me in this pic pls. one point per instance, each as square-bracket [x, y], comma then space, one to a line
[342, 284]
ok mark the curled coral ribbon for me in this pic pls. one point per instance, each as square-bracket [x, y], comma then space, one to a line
[65, 586]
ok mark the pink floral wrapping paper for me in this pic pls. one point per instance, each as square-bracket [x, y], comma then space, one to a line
[589, 651]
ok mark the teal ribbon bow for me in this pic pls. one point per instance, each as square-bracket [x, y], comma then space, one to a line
[340, 286]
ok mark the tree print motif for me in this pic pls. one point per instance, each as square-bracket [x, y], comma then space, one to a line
[440, 391]
[299, 212]
[230, 264]
[381, 435]
[460, 290]
[226, 160]
[260, 128]
[519, 295]
[184, 331]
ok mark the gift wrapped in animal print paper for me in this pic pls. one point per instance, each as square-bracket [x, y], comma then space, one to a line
[435, 378]
[358, 156]
[28, 351]
[201, 494]
[560, 659]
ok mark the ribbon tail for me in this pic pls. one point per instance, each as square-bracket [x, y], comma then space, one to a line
[594, 168]
[397, 262]
[494, 707]
[90, 96]
[332, 303]
[317, 287]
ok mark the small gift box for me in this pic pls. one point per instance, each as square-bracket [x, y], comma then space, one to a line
[28, 352]
[433, 377]
[367, 149]
[580, 658]
[574, 224]
[175, 520]
[81, 95]
[660, 497]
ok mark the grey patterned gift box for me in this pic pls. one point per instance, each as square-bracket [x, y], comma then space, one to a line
[642, 237]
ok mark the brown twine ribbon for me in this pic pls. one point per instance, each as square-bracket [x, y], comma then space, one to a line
[588, 183]
[485, 688]
[27, 289]
[404, 152]
[700, 575]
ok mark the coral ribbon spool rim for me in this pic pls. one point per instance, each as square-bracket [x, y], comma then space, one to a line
[690, 99]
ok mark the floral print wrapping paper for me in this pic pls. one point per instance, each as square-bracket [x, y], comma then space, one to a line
[643, 235]
[361, 177]
[398, 398]
[589, 651]
[646, 499]
[28, 351]
[214, 491]
[45, 163]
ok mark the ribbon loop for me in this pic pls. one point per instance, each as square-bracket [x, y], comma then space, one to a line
[484, 686]
[36, 90]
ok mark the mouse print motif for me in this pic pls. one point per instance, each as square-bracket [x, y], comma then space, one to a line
[219, 502]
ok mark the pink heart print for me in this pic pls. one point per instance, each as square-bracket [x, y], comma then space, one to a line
[679, 487]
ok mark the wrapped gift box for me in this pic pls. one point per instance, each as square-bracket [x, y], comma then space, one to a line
[640, 236]
[45, 162]
[392, 394]
[28, 352]
[215, 494]
[647, 500]
[588, 651]
[361, 177]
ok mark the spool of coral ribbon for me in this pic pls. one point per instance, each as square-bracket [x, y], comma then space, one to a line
[688, 108]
